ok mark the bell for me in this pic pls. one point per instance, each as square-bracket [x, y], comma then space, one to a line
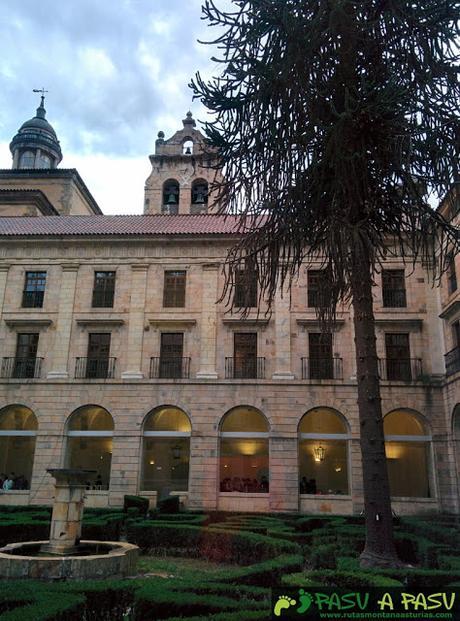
[171, 199]
[188, 151]
[199, 198]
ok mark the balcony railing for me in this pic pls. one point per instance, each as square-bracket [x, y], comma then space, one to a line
[95, 368]
[103, 299]
[244, 368]
[452, 359]
[401, 369]
[394, 298]
[322, 368]
[32, 299]
[169, 368]
[21, 368]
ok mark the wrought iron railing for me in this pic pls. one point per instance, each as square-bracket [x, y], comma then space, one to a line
[452, 359]
[169, 368]
[400, 369]
[244, 368]
[103, 298]
[21, 368]
[95, 368]
[394, 298]
[32, 299]
[322, 368]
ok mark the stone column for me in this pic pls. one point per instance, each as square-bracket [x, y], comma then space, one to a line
[282, 337]
[60, 356]
[284, 474]
[3, 278]
[136, 322]
[204, 468]
[434, 332]
[208, 341]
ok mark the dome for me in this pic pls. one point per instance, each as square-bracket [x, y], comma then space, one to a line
[35, 135]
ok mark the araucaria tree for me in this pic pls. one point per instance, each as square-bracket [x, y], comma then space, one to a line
[333, 120]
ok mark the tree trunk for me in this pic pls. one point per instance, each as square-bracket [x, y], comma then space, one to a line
[379, 549]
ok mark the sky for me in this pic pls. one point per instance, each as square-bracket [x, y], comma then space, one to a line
[117, 73]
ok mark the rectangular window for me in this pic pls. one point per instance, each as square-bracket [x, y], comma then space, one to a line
[398, 361]
[98, 361]
[245, 295]
[103, 290]
[245, 355]
[34, 290]
[451, 274]
[314, 285]
[456, 334]
[171, 355]
[26, 355]
[174, 289]
[393, 289]
[320, 351]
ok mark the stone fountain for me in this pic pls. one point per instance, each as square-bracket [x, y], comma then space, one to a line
[65, 555]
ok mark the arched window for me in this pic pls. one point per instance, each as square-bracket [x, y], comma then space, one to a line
[44, 161]
[323, 453]
[244, 451]
[166, 451]
[408, 451]
[170, 197]
[200, 192]
[187, 147]
[27, 160]
[89, 444]
[18, 428]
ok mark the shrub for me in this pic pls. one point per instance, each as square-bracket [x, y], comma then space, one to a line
[171, 504]
[138, 502]
[339, 579]
[323, 556]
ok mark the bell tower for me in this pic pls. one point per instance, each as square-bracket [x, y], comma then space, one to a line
[181, 174]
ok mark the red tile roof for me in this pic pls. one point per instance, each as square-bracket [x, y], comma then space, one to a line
[200, 224]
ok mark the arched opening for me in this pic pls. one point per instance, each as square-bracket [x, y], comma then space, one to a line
[187, 146]
[27, 160]
[244, 451]
[408, 452]
[166, 451]
[200, 192]
[18, 428]
[171, 194]
[89, 444]
[323, 452]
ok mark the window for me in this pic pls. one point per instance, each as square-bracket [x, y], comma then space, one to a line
[44, 161]
[170, 204]
[456, 334]
[314, 287]
[321, 360]
[174, 289]
[25, 362]
[245, 295]
[34, 290]
[97, 364]
[18, 428]
[27, 160]
[171, 354]
[323, 453]
[245, 363]
[393, 289]
[407, 448]
[398, 361]
[244, 451]
[89, 444]
[166, 451]
[103, 290]
[451, 274]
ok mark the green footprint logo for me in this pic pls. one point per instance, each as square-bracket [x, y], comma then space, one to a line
[305, 601]
[284, 601]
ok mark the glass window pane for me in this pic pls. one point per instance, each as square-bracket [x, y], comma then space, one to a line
[246, 420]
[407, 464]
[165, 465]
[167, 419]
[322, 420]
[328, 476]
[16, 460]
[400, 423]
[244, 465]
[91, 418]
[18, 418]
[91, 454]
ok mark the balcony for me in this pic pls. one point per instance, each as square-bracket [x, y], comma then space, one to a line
[95, 368]
[244, 368]
[394, 298]
[169, 368]
[452, 359]
[401, 369]
[32, 299]
[21, 368]
[322, 368]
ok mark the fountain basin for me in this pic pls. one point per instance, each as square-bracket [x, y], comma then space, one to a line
[96, 559]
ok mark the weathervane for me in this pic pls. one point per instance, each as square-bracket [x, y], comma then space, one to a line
[42, 91]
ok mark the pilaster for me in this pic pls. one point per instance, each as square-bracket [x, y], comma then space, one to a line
[136, 322]
[208, 323]
[282, 337]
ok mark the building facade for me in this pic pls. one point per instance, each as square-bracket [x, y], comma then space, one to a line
[117, 356]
